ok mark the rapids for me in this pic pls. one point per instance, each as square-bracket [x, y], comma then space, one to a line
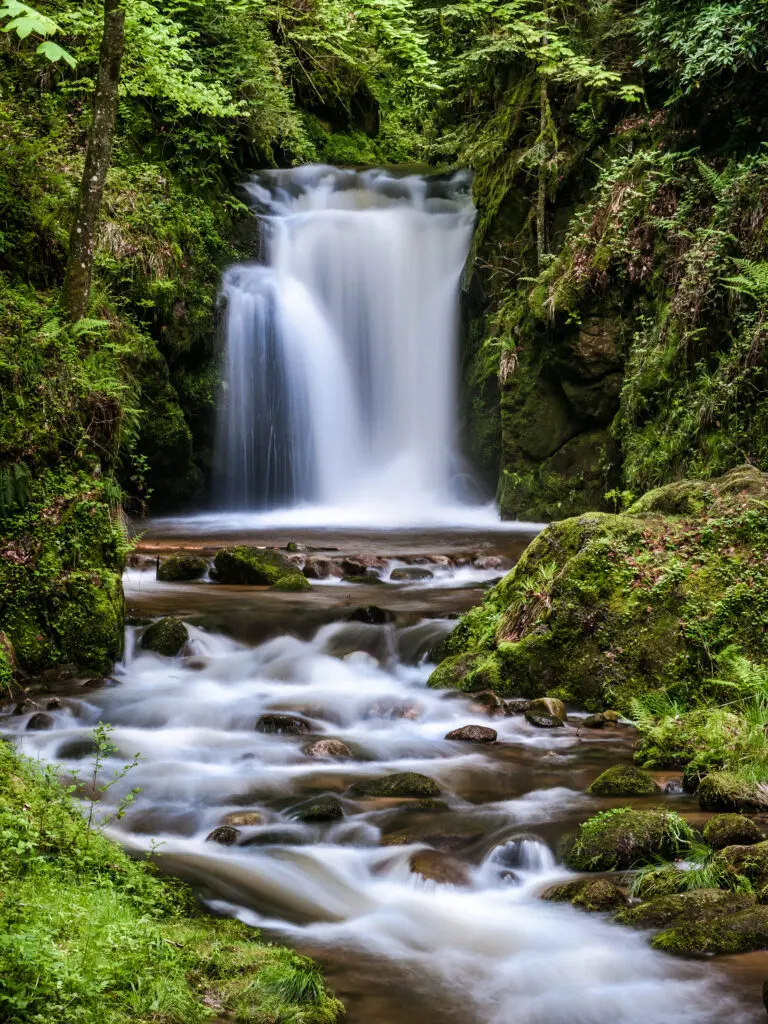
[398, 947]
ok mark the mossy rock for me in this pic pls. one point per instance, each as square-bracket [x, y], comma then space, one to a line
[471, 673]
[7, 661]
[320, 810]
[166, 636]
[623, 780]
[181, 566]
[697, 906]
[731, 830]
[751, 862]
[402, 784]
[260, 567]
[548, 706]
[701, 738]
[624, 838]
[591, 894]
[723, 791]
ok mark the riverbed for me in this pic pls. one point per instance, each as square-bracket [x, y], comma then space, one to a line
[398, 947]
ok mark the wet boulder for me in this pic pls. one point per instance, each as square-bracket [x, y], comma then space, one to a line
[258, 567]
[319, 811]
[401, 784]
[473, 734]
[731, 830]
[224, 835]
[623, 780]
[623, 838]
[283, 725]
[751, 862]
[40, 720]
[703, 921]
[722, 791]
[328, 748]
[371, 615]
[317, 568]
[410, 573]
[549, 706]
[439, 867]
[542, 721]
[517, 707]
[596, 895]
[181, 567]
[166, 636]
[487, 562]
[597, 721]
[363, 566]
[244, 819]
[490, 702]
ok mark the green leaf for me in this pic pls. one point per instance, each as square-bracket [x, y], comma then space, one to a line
[54, 52]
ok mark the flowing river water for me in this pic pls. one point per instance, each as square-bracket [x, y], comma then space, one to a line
[397, 948]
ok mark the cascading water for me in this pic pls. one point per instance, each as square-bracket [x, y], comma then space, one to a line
[340, 375]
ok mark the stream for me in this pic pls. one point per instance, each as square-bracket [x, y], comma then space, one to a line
[397, 948]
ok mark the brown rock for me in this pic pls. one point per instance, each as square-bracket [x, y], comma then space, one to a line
[225, 835]
[243, 818]
[328, 748]
[473, 734]
[489, 702]
[549, 706]
[435, 866]
[284, 725]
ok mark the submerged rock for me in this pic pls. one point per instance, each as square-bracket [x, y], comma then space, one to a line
[371, 615]
[411, 573]
[253, 566]
[597, 721]
[543, 721]
[722, 791]
[592, 894]
[166, 636]
[439, 867]
[328, 748]
[225, 835]
[401, 784]
[473, 734]
[320, 810]
[244, 818]
[490, 702]
[624, 838]
[623, 780]
[283, 725]
[40, 720]
[181, 566]
[731, 830]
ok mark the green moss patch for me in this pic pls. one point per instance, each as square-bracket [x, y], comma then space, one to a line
[625, 838]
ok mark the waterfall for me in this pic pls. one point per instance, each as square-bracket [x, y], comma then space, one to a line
[340, 384]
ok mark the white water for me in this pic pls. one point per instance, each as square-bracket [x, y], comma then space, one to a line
[341, 394]
[492, 949]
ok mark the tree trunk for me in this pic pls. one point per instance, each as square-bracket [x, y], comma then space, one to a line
[77, 283]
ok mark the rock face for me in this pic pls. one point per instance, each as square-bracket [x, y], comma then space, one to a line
[181, 566]
[258, 567]
[731, 830]
[721, 791]
[436, 866]
[623, 780]
[623, 838]
[703, 921]
[592, 894]
[473, 734]
[321, 810]
[328, 748]
[166, 636]
[582, 617]
[402, 784]
[283, 725]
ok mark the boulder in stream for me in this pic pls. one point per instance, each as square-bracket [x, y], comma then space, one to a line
[244, 819]
[549, 706]
[317, 568]
[623, 780]
[40, 720]
[490, 702]
[320, 810]
[439, 867]
[543, 721]
[410, 573]
[181, 567]
[473, 734]
[371, 615]
[224, 835]
[167, 636]
[751, 862]
[401, 784]
[258, 567]
[597, 895]
[328, 748]
[731, 830]
[283, 725]
[722, 791]
[623, 838]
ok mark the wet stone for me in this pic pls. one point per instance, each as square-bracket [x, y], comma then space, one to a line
[591, 894]
[319, 811]
[40, 720]
[328, 748]
[549, 706]
[371, 615]
[225, 835]
[410, 573]
[489, 702]
[473, 734]
[243, 818]
[439, 867]
[517, 707]
[166, 636]
[283, 725]
[317, 568]
[542, 721]
[597, 721]
[401, 784]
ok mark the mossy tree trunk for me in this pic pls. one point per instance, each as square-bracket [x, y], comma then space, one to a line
[77, 283]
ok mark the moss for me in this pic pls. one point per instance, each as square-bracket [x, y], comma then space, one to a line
[319, 810]
[167, 636]
[696, 907]
[257, 567]
[591, 894]
[731, 830]
[181, 566]
[701, 738]
[624, 838]
[732, 933]
[402, 784]
[751, 862]
[623, 780]
[470, 673]
[724, 791]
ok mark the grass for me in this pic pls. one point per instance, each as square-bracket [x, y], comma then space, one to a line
[88, 936]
